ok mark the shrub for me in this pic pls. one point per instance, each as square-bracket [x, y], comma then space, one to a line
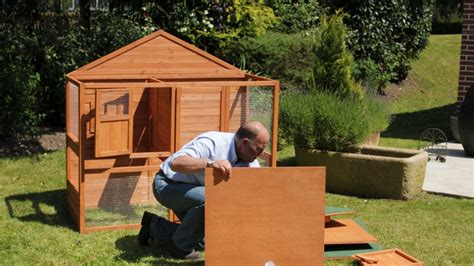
[19, 112]
[333, 62]
[296, 16]
[212, 25]
[378, 113]
[390, 33]
[321, 120]
[286, 57]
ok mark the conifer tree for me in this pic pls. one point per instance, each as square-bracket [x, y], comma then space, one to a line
[332, 68]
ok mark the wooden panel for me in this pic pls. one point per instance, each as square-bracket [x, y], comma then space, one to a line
[113, 138]
[113, 122]
[387, 257]
[199, 112]
[158, 53]
[73, 203]
[141, 120]
[346, 231]
[72, 167]
[265, 214]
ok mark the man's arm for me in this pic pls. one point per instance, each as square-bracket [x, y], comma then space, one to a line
[187, 164]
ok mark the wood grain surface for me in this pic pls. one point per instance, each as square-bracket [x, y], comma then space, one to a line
[264, 215]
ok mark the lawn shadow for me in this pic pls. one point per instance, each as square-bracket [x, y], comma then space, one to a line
[47, 207]
[132, 252]
[411, 125]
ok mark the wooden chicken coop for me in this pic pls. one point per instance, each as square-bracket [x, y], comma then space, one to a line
[129, 110]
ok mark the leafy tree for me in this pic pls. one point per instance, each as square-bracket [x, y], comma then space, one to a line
[390, 34]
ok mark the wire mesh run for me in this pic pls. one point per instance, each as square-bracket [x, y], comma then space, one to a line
[73, 110]
[252, 104]
[119, 199]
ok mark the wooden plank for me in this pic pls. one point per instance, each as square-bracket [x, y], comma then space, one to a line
[199, 126]
[150, 154]
[345, 231]
[177, 119]
[276, 104]
[334, 211]
[173, 115]
[196, 84]
[387, 257]
[265, 214]
[136, 59]
[224, 106]
[111, 228]
[120, 161]
[82, 211]
[73, 203]
[130, 169]
[170, 65]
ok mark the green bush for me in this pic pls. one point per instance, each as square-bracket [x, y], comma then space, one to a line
[19, 112]
[321, 120]
[378, 113]
[390, 33]
[296, 16]
[286, 57]
[333, 62]
[211, 25]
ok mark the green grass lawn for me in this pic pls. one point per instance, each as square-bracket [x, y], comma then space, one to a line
[427, 99]
[37, 229]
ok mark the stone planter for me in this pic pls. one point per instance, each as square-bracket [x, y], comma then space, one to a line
[374, 172]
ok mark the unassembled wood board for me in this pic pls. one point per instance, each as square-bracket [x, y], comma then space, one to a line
[260, 215]
[345, 231]
[330, 211]
[387, 257]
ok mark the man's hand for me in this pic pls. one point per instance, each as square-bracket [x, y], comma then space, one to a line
[222, 169]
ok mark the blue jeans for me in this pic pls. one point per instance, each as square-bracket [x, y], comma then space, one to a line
[187, 201]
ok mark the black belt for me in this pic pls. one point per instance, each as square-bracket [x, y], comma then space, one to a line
[164, 177]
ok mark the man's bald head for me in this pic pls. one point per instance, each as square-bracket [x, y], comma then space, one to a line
[251, 130]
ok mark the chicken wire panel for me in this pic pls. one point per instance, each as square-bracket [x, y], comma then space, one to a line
[118, 199]
[252, 104]
[73, 110]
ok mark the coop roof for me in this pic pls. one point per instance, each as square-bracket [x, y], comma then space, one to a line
[159, 55]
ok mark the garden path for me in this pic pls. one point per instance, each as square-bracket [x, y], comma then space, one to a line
[454, 177]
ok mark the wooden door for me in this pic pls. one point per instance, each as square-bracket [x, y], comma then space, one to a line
[114, 129]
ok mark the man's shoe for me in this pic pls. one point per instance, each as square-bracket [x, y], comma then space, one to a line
[178, 253]
[144, 234]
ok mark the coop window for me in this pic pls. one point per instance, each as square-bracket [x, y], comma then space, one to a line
[114, 105]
